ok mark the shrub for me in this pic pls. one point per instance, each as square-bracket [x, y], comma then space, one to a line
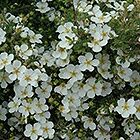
[70, 70]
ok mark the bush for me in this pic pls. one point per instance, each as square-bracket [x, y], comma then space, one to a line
[70, 70]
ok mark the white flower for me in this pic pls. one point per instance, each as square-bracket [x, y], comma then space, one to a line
[135, 136]
[42, 6]
[68, 38]
[118, 6]
[62, 89]
[105, 122]
[42, 117]
[124, 64]
[106, 89]
[103, 59]
[12, 18]
[23, 92]
[71, 72]
[83, 106]
[71, 99]
[129, 127]
[124, 73]
[87, 62]
[83, 6]
[130, 7]
[137, 105]
[66, 29]
[93, 87]
[3, 113]
[64, 109]
[139, 39]
[29, 77]
[100, 17]
[2, 36]
[100, 31]
[4, 79]
[92, 29]
[95, 9]
[125, 108]
[24, 32]
[44, 90]
[105, 32]
[79, 89]
[14, 105]
[135, 79]
[104, 65]
[88, 123]
[33, 131]
[15, 121]
[47, 59]
[51, 15]
[71, 114]
[75, 4]
[35, 38]
[97, 43]
[60, 52]
[23, 51]
[42, 76]
[15, 69]
[48, 131]
[39, 105]
[41, 138]
[66, 43]
[62, 62]
[104, 71]
[5, 59]
[26, 108]
[101, 135]
[121, 138]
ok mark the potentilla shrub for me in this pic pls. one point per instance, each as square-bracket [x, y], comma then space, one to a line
[70, 70]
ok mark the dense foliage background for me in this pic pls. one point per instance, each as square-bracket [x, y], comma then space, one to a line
[91, 88]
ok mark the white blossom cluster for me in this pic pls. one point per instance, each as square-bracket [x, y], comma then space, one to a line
[59, 89]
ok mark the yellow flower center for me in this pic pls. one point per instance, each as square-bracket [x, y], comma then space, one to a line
[46, 129]
[73, 74]
[61, 108]
[125, 107]
[27, 78]
[101, 18]
[4, 61]
[43, 90]
[95, 41]
[61, 49]
[71, 99]
[67, 30]
[104, 34]
[88, 62]
[23, 93]
[33, 130]
[122, 72]
[39, 105]
[16, 71]
[27, 108]
[138, 108]
[94, 88]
